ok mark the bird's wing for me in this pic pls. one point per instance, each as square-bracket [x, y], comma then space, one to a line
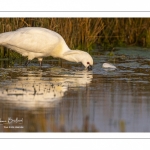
[37, 40]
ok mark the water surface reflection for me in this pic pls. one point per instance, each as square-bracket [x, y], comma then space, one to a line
[57, 99]
[40, 88]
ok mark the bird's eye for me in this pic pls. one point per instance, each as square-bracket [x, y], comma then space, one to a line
[88, 63]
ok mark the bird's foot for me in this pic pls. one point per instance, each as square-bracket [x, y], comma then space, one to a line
[40, 63]
[27, 62]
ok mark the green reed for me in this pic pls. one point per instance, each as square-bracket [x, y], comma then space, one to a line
[86, 33]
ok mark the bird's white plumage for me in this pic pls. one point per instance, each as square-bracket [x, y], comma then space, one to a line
[36, 42]
[31, 40]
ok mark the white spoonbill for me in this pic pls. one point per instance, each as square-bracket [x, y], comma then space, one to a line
[37, 42]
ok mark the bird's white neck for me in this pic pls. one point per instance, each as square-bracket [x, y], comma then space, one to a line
[72, 55]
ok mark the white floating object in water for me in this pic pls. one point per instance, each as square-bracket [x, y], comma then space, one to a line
[108, 66]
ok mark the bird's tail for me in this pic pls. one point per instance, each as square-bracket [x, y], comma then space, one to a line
[4, 37]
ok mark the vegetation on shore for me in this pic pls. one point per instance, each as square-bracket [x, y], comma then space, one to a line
[86, 33]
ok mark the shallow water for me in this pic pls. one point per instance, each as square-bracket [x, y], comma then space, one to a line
[57, 98]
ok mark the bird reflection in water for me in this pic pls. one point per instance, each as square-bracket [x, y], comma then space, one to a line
[37, 90]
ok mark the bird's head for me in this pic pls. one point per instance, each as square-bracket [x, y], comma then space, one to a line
[79, 56]
[87, 61]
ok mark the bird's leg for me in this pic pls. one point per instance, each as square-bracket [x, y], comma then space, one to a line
[27, 62]
[40, 61]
